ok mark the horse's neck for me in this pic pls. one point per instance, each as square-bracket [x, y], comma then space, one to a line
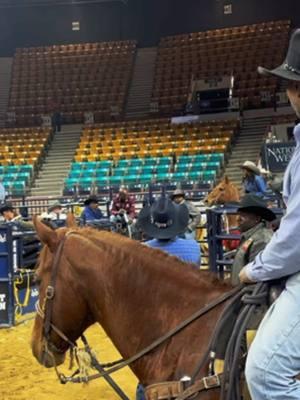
[136, 304]
[231, 221]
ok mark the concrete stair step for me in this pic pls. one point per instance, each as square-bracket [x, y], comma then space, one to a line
[60, 148]
[57, 165]
[237, 156]
[249, 139]
[51, 177]
[49, 188]
[54, 167]
[247, 146]
[68, 141]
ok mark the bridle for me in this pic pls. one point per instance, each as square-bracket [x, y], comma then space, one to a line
[46, 310]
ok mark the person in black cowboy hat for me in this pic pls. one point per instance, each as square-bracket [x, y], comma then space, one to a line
[91, 211]
[252, 216]
[274, 358]
[164, 221]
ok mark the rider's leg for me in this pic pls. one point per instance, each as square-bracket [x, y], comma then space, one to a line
[140, 393]
[274, 357]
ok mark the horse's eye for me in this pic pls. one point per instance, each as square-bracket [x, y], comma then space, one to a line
[221, 189]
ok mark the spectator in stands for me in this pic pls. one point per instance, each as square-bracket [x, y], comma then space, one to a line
[273, 361]
[164, 221]
[91, 211]
[178, 197]
[56, 118]
[252, 181]
[2, 193]
[123, 204]
[252, 216]
[10, 216]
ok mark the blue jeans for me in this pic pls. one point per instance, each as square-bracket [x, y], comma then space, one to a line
[140, 393]
[274, 357]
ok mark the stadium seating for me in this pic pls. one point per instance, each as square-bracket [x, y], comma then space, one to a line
[90, 77]
[223, 52]
[150, 151]
[21, 152]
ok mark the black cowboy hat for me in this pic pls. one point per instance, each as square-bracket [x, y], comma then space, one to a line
[164, 219]
[91, 199]
[255, 205]
[290, 69]
[6, 207]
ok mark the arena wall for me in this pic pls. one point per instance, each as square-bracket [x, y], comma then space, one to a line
[143, 20]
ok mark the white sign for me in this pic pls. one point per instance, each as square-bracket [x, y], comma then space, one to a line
[2, 238]
[2, 302]
[228, 9]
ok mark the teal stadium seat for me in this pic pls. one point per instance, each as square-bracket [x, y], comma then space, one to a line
[70, 182]
[148, 169]
[75, 173]
[101, 171]
[102, 180]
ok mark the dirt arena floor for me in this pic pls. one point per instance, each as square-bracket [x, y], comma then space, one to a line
[22, 378]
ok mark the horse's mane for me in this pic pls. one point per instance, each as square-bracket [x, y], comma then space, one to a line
[144, 256]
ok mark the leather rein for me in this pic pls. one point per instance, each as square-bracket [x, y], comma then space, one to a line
[46, 313]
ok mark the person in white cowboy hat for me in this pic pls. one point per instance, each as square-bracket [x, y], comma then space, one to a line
[178, 196]
[252, 181]
[55, 215]
[274, 358]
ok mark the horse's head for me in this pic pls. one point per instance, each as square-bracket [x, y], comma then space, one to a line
[61, 309]
[224, 192]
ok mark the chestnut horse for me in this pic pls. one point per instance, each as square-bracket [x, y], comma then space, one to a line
[226, 192]
[136, 293]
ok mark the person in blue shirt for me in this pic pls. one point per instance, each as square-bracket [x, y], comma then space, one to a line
[91, 211]
[164, 221]
[274, 357]
[253, 182]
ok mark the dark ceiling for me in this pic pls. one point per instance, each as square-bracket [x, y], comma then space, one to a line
[41, 3]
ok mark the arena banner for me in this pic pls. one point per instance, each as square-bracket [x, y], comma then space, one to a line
[4, 303]
[276, 156]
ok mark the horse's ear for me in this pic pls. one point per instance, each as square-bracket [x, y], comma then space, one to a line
[46, 235]
[71, 221]
[226, 179]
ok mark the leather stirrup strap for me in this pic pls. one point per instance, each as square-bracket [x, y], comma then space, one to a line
[175, 389]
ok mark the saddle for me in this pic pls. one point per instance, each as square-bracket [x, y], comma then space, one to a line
[274, 290]
[225, 344]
